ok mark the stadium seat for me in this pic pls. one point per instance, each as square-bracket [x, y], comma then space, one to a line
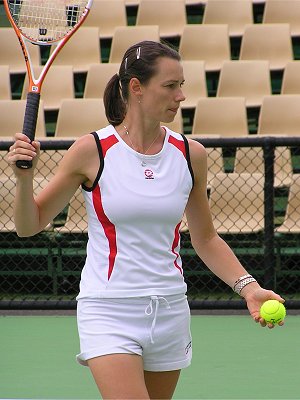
[5, 89]
[12, 116]
[249, 79]
[130, 3]
[82, 50]
[251, 160]
[48, 162]
[195, 83]
[170, 16]
[291, 223]
[283, 11]
[237, 203]
[71, 237]
[5, 169]
[206, 42]
[270, 42]
[126, 36]
[78, 117]
[58, 84]
[215, 161]
[11, 52]
[235, 13]
[184, 225]
[97, 78]
[195, 2]
[187, 2]
[106, 15]
[224, 116]
[279, 115]
[291, 78]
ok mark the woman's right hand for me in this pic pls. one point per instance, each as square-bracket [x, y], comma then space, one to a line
[23, 149]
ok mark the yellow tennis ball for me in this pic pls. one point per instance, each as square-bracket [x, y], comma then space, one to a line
[272, 311]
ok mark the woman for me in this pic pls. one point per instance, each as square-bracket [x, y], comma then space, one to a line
[138, 178]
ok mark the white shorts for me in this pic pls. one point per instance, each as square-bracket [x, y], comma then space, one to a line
[156, 328]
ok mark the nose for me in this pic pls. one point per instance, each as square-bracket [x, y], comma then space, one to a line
[180, 96]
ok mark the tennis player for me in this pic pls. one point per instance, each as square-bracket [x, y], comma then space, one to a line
[138, 177]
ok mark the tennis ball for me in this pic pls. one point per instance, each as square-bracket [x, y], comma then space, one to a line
[272, 311]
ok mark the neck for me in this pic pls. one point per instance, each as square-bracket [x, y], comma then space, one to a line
[142, 143]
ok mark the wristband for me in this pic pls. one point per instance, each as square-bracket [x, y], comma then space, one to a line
[241, 283]
[241, 278]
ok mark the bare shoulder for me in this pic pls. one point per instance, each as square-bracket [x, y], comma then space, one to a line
[83, 148]
[198, 158]
[81, 158]
[84, 144]
[198, 152]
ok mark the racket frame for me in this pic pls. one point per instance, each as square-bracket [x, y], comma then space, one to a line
[35, 84]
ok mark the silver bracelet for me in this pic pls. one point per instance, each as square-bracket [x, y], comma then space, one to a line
[242, 283]
[241, 278]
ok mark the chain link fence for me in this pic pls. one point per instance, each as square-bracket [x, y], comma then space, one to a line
[254, 195]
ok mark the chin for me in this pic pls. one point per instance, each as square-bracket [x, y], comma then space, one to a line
[168, 119]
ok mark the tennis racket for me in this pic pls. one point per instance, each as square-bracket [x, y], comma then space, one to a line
[44, 23]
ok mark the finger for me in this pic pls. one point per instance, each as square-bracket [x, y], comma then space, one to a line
[24, 144]
[262, 322]
[21, 153]
[36, 145]
[276, 296]
[21, 136]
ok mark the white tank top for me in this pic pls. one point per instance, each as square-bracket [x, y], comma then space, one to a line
[134, 215]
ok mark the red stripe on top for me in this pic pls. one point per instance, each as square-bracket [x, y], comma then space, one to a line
[175, 244]
[178, 143]
[107, 143]
[108, 227]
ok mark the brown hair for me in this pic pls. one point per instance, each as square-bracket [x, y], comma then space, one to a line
[139, 62]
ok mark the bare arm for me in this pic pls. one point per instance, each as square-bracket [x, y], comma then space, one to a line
[31, 214]
[210, 247]
[215, 253]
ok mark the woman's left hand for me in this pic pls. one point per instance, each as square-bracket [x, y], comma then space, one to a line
[255, 299]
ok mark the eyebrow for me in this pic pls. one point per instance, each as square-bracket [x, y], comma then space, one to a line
[175, 81]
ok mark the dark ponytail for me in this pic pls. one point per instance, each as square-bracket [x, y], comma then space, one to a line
[115, 107]
[139, 61]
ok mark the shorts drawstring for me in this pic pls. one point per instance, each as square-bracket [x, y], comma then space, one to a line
[155, 300]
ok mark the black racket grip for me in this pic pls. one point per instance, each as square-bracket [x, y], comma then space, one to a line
[29, 124]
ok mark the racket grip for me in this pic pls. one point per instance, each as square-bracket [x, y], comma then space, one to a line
[29, 124]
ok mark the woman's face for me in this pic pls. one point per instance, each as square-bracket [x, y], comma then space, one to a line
[162, 95]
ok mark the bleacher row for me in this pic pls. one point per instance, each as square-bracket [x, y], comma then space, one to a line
[214, 65]
[243, 91]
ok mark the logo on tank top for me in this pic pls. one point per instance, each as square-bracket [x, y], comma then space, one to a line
[148, 174]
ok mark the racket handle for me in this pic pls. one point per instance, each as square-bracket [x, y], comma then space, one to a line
[29, 124]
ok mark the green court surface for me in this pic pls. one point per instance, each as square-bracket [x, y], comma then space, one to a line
[233, 358]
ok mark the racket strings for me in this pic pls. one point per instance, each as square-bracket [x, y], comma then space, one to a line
[46, 21]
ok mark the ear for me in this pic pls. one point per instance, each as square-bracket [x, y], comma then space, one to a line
[135, 87]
